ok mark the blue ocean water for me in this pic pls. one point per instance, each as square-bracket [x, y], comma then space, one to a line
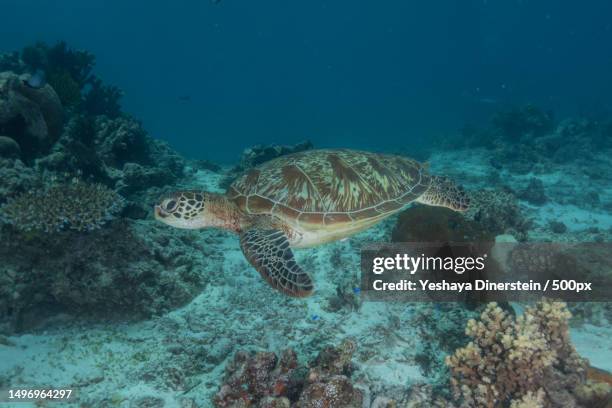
[215, 78]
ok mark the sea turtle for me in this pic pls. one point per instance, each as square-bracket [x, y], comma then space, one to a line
[306, 199]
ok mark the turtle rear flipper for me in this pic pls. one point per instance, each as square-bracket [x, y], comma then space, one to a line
[443, 192]
[268, 251]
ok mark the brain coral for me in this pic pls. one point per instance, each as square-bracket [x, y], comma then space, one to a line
[75, 205]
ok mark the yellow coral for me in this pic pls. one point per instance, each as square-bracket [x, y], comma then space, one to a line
[511, 358]
[530, 400]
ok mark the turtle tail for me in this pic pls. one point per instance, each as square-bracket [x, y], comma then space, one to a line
[443, 192]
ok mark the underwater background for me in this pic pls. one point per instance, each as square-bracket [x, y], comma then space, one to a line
[340, 73]
[106, 106]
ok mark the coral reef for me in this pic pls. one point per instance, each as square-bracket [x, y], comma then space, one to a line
[117, 153]
[557, 227]
[509, 361]
[72, 246]
[498, 212]
[437, 224]
[258, 154]
[102, 99]
[265, 381]
[15, 178]
[32, 117]
[525, 122]
[9, 148]
[255, 155]
[534, 192]
[526, 139]
[70, 73]
[126, 269]
[76, 205]
[441, 331]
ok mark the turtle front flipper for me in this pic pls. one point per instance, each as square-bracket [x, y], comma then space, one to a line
[268, 251]
[442, 192]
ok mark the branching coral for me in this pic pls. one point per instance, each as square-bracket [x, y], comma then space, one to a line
[77, 206]
[530, 400]
[509, 358]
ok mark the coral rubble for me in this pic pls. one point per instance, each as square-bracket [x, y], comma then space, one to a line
[263, 380]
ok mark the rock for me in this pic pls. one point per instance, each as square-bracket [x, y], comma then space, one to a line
[437, 224]
[337, 392]
[498, 212]
[207, 165]
[120, 141]
[383, 402]
[557, 227]
[137, 177]
[147, 402]
[534, 192]
[258, 154]
[9, 148]
[504, 244]
[32, 117]
[15, 177]
[115, 152]
[265, 380]
[119, 271]
[219, 351]
[523, 122]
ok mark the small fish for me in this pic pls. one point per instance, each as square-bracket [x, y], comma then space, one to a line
[37, 80]
[185, 98]
[315, 317]
[356, 291]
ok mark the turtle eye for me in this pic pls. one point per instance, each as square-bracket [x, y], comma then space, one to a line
[170, 205]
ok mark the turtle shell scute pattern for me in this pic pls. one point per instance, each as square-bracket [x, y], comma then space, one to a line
[330, 186]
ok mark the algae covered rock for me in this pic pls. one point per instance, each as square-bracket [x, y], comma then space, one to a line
[129, 269]
[438, 224]
[264, 380]
[534, 193]
[9, 148]
[116, 152]
[258, 154]
[15, 178]
[33, 117]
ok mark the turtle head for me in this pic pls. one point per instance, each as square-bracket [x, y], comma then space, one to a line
[195, 210]
[184, 209]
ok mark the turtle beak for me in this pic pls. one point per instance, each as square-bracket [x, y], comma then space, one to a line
[159, 213]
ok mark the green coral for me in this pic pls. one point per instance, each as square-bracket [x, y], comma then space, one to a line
[75, 205]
